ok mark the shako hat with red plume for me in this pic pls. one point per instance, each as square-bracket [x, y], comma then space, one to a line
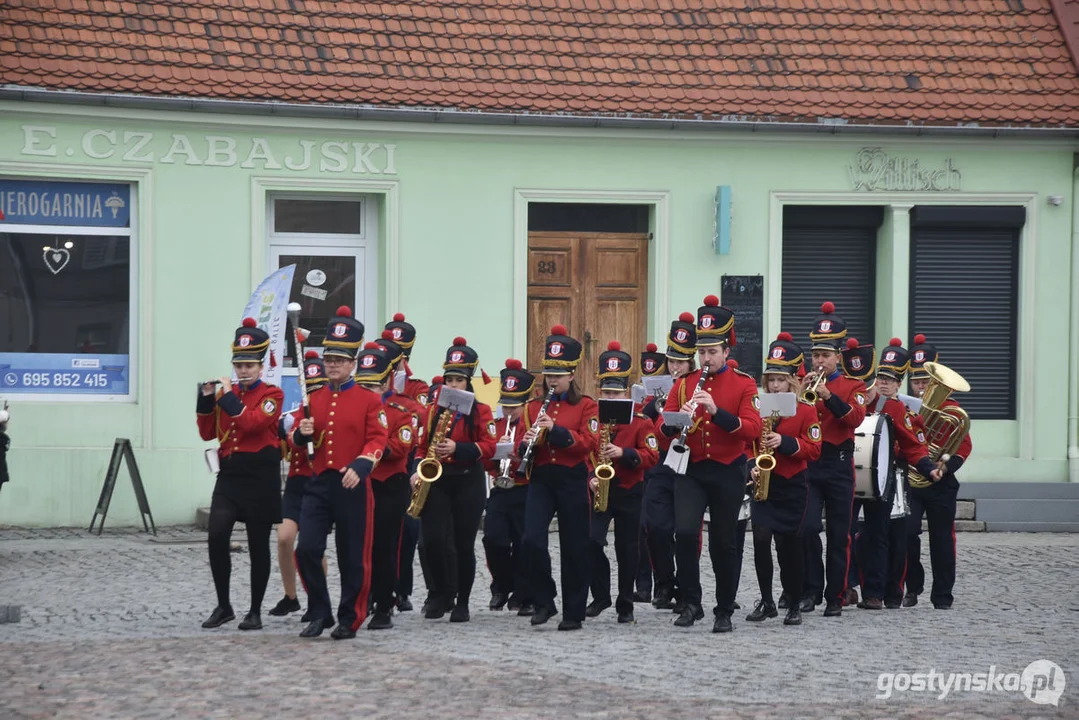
[921, 352]
[314, 371]
[373, 364]
[515, 388]
[682, 338]
[561, 353]
[461, 360]
[784, 356]
[251, 342]
[859, 361]
[615, 366]
[894, 361]
[653, 362]
[828, 330]
[344, 335]
[403, 333]
[392, 348]
[715, 324]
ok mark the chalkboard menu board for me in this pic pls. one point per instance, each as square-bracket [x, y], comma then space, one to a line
[744, 294]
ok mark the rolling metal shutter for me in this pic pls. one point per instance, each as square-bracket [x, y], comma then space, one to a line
[829, 253]
[964, 297]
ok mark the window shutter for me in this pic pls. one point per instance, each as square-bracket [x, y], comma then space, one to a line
[964, 296]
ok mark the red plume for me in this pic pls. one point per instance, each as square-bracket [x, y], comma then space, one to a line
[250, 323]
[486, 377]
[459, 341]
[398, 317]
[371, 346]
[895, 342]
[273, 360]
[919, 339]
[732, 340]
[711, 301]
[513, 364]
[310, 355]
[559, 330]
[651, 347]
[785, 337]
[437, 380]
[828, 308]
[852, 343]
[614, 345]
[687, 317]
[344, 311]
[387, 335]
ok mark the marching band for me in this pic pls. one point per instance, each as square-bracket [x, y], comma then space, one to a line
[387, 461]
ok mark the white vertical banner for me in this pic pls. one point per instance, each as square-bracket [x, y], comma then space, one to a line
[268, 306]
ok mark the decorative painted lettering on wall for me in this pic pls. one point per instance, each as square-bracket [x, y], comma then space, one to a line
[875, 169]
[130, 146]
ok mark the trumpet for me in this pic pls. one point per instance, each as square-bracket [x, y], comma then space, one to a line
[604, 472]
[525, 468]
[810, 394]
[504, 479]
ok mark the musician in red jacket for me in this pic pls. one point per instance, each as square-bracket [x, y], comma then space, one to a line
[911, 452]
[243, 419]
[653, 364]
[859, 362]
[504, 522]
[299, 470]
[563, 429]
[936, 502]
[451, 516]
[631, 450]
[390, 488]
[723, 407]
[404, 334]
[793, 442]
[841, 409]
[348, 430]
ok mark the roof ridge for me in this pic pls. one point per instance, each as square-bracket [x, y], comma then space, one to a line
[1067, 15]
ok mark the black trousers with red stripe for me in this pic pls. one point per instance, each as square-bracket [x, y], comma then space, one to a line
[831, 485]
[391, 500]
[937, 503]
[351, 512]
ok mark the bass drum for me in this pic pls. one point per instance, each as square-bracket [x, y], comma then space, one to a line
[874, 458]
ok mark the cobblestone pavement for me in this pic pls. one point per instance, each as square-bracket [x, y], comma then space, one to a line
[110, 628]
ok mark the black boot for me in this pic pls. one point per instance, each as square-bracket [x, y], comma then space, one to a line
[460, 613]
[794, 616]
[807, 604]
[542, 614]
[404, 604]
[689, 615]
[285, 606]
[596, 607]
[380, 621]
[765, 609]
[219, 617]
[435, 608]
[526, 610]
[910, 599]
[499, 600]
[833, 609]
[722, 623]
[569, 625]
[664, 600]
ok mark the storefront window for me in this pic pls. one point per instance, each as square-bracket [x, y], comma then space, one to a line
[65, 289]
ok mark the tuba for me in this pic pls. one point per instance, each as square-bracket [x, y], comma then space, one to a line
[604, 472]
[429, 469]
[945, 427]
[765, 461]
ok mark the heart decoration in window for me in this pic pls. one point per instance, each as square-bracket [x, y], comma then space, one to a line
[56, 259]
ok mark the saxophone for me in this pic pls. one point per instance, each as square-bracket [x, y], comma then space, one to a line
[766, 461]
[604, 472]
[430, 468]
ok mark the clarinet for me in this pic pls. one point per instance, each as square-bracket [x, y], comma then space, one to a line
[700, 386]
[678, 454]
[525, 468]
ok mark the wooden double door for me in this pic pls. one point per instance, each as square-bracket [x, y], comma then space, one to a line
[596, 284]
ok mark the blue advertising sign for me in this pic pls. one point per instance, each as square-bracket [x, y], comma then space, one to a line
[58, 374]
[33, 202]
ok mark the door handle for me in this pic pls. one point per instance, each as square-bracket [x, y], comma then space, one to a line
[588, 344]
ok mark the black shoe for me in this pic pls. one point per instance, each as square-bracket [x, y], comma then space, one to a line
[794, 616]
[689, 615]
[569, 625]
[380, 621]
[543, 614]
[765, 609]
[663, 600]
[460, 614]
[251, 621]
[307, 616]
[626, 617]
[784, 602]
[834, 609]
[892, 604]
[315, 627]
[404, 604]
[513, 604]
[942, 606]
[499, 600]
[871, 604]
[910, 599]
[526, 610]
[219, 617]
[642, 596]
[596, 607]
[285, 606]
[722, 623]
[434, 609]
[341, 632]
[807, 605]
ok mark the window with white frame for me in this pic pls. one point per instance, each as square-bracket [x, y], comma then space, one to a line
[67, 290]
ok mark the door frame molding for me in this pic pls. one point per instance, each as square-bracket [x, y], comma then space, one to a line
[659, 249]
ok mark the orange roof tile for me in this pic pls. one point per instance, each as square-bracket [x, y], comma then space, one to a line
[925, 62]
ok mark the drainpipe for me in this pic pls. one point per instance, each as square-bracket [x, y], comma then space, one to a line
[1073, 396]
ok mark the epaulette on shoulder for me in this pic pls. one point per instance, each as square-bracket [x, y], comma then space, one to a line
[642, 416]
[397, 406]
[743, 373]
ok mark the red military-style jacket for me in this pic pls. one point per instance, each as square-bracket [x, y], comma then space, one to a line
[574, 436]
[844, 411]
[801, 441]
[967, 445]
[416, 390]
[243, 420]
[640, 451]
[404, 432]
[724, 436]
[909, 434]
[652, 411]
[475, 435]
[502, 426]
[350, 425]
